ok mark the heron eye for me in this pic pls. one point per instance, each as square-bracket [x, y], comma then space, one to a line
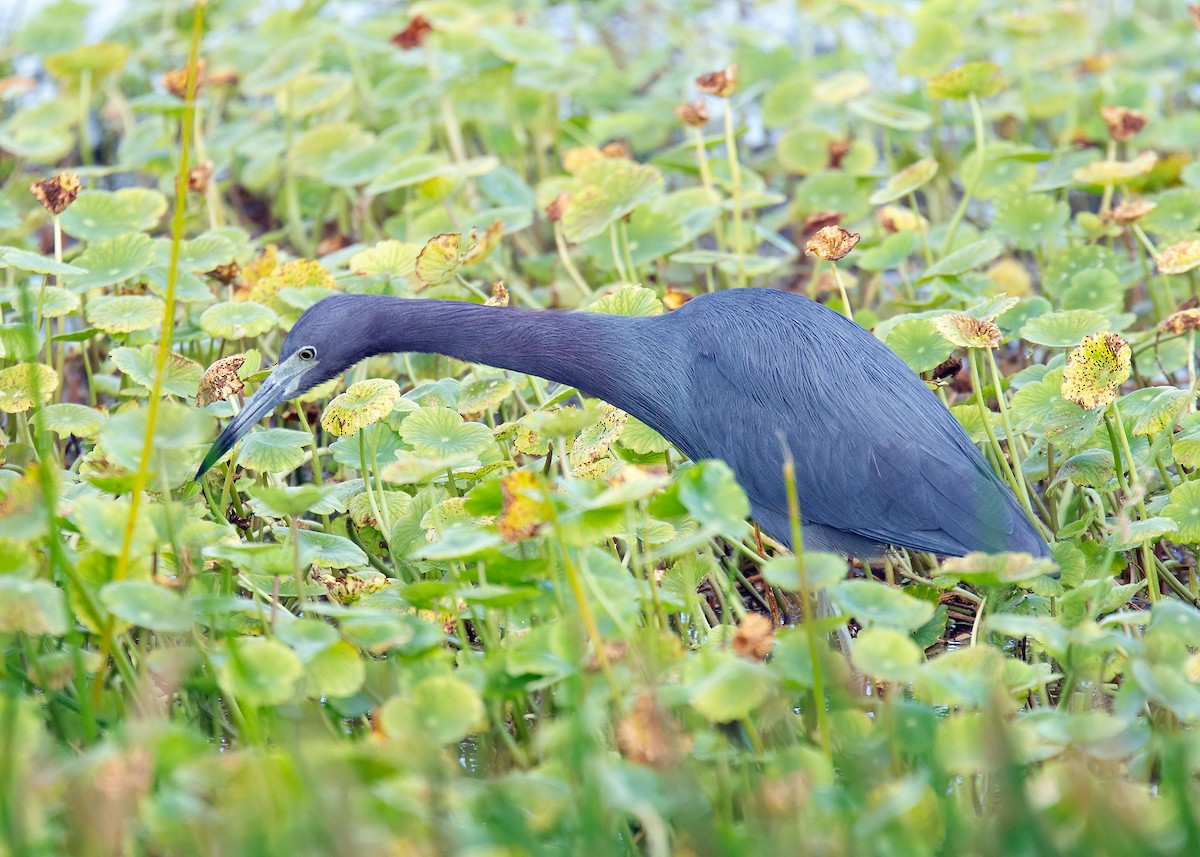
[306, 353]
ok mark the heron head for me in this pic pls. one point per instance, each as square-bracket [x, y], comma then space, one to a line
[324, 342]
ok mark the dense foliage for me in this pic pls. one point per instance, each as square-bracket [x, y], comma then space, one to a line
[435, 608]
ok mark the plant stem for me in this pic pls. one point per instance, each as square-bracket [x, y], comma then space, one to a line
[985, 414]
[141, 476]
[806, 605]
[968, 192]
[735, 181]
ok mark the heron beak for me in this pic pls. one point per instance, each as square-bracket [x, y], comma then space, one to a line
[281, 385]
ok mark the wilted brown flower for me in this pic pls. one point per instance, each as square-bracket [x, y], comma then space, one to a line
[831, 243]
[719, 83]
[175, 80]
[674, 299]
[413, 36]
[1123, 122]
[1194, 9]
[754, 637]
[198, 177]
[966, 331]
[56, 194]
[1182, 321]
[650, 736]
[818, 220]
[499, 295]
[220, 381]
[1129, 210]
[225, 274]
[554, 211]
[694, 113]
[1179, 258]
[948, 368]
[838, 149]
[617, 149]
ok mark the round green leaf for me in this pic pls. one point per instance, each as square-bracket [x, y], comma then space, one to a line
[23, 260]
[125, 313]
[874, 603]
[483, 395]
[613, 187]
[917, 342]
[337, 671]
[181, 376]
[56, 302]
[387, 259]
[886, 654]
[112, 261]
[1184, 509]
[237, 320]
[97, 215]
[968, 258]
[440, 709]
[147, 605]
[730, 687]
[259, 671]
[31, 607]
[1031, 220]
[66, 419]
[1065, 328]
[273, 450]
[628, 300]
[442, 433]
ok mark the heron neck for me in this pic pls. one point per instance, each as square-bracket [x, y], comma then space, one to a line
[605, 356]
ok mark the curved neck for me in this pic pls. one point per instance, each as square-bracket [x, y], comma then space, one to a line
[607, 356]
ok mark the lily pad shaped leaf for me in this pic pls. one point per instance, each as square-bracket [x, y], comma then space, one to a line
[25, 383]
[23, 260]
[97, 215]
[57, 302]
[113, 261]
[629, 300]
[66, 419]
[968, 258]
[613, 187]
[387, 259]
[181, 376]
[442, 433]
[439, 259]
[1184, 509]
[125, 313]
[874, 603]
[273, 450]
[147, 605]
[1063, 329]
[238, 320]
[363, 404]
[918, 343]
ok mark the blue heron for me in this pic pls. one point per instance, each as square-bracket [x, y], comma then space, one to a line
[734, 375]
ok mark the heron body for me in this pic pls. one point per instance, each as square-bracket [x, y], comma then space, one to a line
[738, 375]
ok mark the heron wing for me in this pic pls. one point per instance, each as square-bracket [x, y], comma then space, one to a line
[877, 455]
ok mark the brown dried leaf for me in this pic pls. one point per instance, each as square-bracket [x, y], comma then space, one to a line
[831, 243]
[755, 637]
[1123, 122]
[198, 177]
[499, 295]
[554, 211]
[674, 299]
[414, 34]
[1182, 321]
[966, 331]
[693, 113]
[225, 274]
[1179, 258]
[175, 80]
[1129, 210]
[56, 194]
[719, 83]
[220, 381]
[650, 736]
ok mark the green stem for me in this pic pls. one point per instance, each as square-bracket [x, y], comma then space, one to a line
[968, 192]
[807, 606]
[986, 415]
[560, 242]
[1009, 434]
[735, 181]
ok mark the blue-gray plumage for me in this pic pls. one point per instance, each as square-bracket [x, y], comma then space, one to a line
[730, 375]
